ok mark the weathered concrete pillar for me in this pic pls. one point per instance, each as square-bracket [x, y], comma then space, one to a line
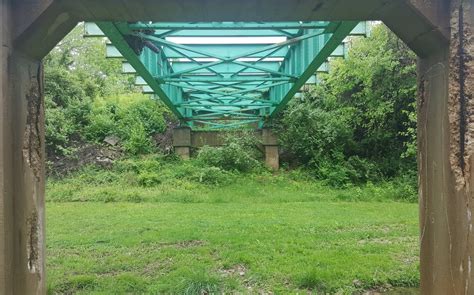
[182, 142]
[22, 177]
[446, 159]
[270, 143]
[22, 153]
[6, 179]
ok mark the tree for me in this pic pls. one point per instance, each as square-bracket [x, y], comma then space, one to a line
[361, 117]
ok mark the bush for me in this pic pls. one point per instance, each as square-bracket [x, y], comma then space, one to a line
[138, 141]
[359, 122]
[58, 129]
[149, 179]
[135, 119]
[67, 107]
[102, 125]
[333, 174]
[239, 153]
[210, 175]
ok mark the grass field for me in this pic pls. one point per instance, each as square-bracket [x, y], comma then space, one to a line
[254, 234]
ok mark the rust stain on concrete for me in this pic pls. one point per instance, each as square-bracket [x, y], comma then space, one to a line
[32, 143]
[460, 105]
[33, 243]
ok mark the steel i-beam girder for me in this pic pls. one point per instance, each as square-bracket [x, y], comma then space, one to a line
[225, 74]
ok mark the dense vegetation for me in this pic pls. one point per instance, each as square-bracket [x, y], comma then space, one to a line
[88, 99]
[157, 178]
[357, 125]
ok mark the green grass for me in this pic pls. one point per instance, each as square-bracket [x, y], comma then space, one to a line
[251, 234]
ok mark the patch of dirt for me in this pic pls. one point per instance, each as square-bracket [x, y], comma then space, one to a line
[84, 154]
[161, 267]
[375, 241]
[189, 244]
[32, 143]
[378, 290]
[182, 244]
[164, 141]
[389, 290]
[240, 272]
[460, 104]
[236, 270]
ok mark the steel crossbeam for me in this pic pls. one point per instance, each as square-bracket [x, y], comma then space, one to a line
[225, 74]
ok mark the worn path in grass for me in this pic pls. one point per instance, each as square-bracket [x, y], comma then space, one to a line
[284, 247]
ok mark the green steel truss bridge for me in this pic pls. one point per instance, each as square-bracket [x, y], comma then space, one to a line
[225, 74]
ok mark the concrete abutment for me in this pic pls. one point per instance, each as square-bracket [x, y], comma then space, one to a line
[185, 139]
[182, 142]
[440, 32]
[272, 150]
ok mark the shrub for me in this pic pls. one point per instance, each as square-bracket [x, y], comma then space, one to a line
[239, 153]
[359, 122]
[58, 130]
[134, 119]
[102, 124]
[406, 186]
[210, 175]
[67, 107]
[335, 175]
[149, 179]
[138, 141]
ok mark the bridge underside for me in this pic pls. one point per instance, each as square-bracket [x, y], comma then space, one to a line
[225, 74]
[439, 31]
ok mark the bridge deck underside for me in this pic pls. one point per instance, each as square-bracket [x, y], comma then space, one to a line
[225, 74]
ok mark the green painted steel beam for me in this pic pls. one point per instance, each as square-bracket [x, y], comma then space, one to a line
[114, 35]
[233, 59]
[221, 118]
[250, 78]
[339, 34]
[225, 50]
[215, 125]
[209, 82]
[226, 33]
[228, 26]
[226, 105]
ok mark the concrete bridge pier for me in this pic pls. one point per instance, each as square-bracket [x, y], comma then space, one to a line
[22, 147]
[22, 162]
[272, 152]
[446, 155]
[182, 142]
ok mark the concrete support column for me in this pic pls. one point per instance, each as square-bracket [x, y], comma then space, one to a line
[270, 143]
[446, 160]
[182, 142]
[22, 177]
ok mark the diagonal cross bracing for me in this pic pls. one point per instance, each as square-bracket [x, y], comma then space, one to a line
[225, 74]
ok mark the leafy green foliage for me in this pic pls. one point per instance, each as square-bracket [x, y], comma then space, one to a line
[67, 107]
[149, 179]
[359, 123]
[210, 176]
[133, 118]
[88, 98]
[239, 153]
[174, 180]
